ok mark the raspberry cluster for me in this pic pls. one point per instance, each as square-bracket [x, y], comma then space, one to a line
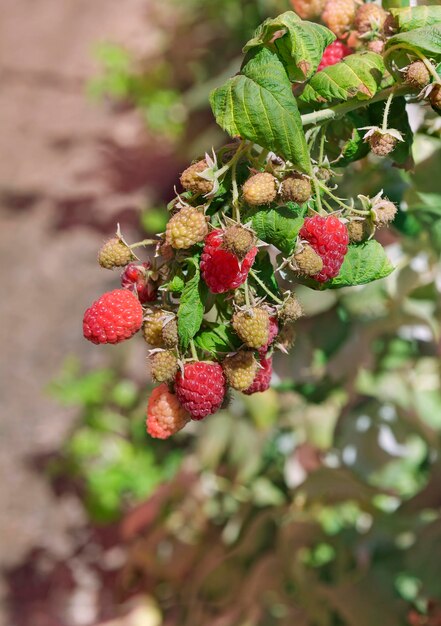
[208, 300]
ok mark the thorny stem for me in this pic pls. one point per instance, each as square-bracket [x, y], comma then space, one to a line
[145, 242]
[316, 184]
[386, 111]
[334, 197]
[264, 287]
[260, 160]
[326, 115]
[322, 145]
[235, 199]
[247, 294]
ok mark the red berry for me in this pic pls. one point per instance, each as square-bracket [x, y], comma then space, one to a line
[136, 279]
[328, 236]
[220, 268]
[272, 334]
[262, 380]
[334, 53]
[114, 317]
[201, 388]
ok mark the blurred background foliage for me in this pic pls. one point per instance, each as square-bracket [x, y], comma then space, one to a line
[318, 502]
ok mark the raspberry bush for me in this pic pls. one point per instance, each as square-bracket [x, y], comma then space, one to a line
[263, 214]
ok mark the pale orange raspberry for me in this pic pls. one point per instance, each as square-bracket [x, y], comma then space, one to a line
[165, 416]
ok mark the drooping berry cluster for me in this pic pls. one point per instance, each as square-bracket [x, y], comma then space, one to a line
[208, 302]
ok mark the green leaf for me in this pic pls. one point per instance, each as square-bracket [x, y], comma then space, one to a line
[425, 40]
[299, 44]
[278, 226]
[217, 339]
[191, 307]
[410, 18]
[176, 285]
[258, 105]
[363, 264]
[358, 76]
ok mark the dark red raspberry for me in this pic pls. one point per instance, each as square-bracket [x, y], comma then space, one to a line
[135, 278]
[201, 388]
[220, 268]
[328, 236]
[114, 317]
[334, 53]
[262, 380]
[273, 332]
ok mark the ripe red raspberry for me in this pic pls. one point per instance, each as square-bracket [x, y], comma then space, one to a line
[338, 15]
[165, 416]
[201, 389]
[136, 278]
[328, 236]
[220, 268]
[114, 317]
[262, 380]
[333, 54]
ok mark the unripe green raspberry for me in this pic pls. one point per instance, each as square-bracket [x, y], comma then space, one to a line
[170, 333]
[369, 17]
[296, 188]
[164, 365]
[252, 326]
[239, 241]
[385, 212]
[324, 174]
[358, 231]
[239, 297]
[115, 253]
[338, 15]
[240, 370]
[187, 227]
[417, 75]
[308, 9]
[260, 189]
[382, 144]
[286, 338]
[435, 97]
[160, 329]
[191, 181]
[308, 262]
[291, 310]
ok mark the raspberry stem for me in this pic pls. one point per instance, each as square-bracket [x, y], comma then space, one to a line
[339, 110]
[386, 111]
[264, 287]
[194, 353]
[334, 197]
[144, 242]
